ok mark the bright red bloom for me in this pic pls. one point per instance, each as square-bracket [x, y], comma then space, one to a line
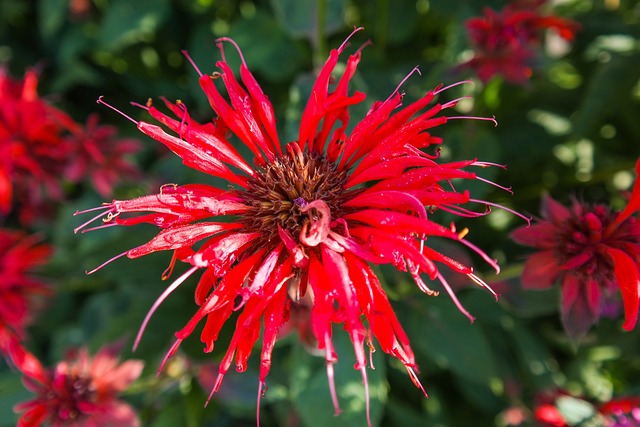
[592, 252]
[40, 145]
[19, 289]
[32, 150]
[80, 391]
[505, 42]
[97, 153]
[306, 219]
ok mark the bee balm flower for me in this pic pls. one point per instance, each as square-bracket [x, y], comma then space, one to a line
[592, 252]
[32, 148]
[41, 146]
[506, 42]
[307, 218]
[80, 391]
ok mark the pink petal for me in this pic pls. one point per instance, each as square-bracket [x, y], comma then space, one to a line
[123, 375]
[540, 271]
[541, 235]
[594, 297]
[577, 316]
[118, 414]
[553, 210]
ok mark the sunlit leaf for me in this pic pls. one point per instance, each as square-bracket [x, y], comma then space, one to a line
[126, 22]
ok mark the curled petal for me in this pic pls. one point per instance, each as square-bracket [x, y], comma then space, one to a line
[319, 230]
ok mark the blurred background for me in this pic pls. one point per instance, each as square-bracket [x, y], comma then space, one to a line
[570, 128]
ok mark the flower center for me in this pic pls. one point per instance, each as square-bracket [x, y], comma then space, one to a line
[70, 397]
[279, 193]
[580, 246]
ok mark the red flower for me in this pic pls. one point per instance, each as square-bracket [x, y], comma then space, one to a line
[592, 252]
[79, 392]
[19, 256]
[41, 145]
[306, 219]
[505, 42]
[32, 150]
[100, 155]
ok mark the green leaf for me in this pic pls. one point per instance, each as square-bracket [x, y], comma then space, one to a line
[535, 357]
[170, 415]
[11, 392]
[52, 15]
[612, 82]
[445, 336]
[299, 17]
[126, 22]
[310, 388]
[266, 48]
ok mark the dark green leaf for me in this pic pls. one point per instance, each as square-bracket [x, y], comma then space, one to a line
[277, 57]
[447, 338]
[52, 16]
[300, 17]
[310, 388]
[612, 81]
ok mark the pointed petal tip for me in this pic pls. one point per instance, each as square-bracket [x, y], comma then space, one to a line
[630, 321]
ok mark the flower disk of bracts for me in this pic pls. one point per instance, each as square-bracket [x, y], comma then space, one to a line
[307, 219]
